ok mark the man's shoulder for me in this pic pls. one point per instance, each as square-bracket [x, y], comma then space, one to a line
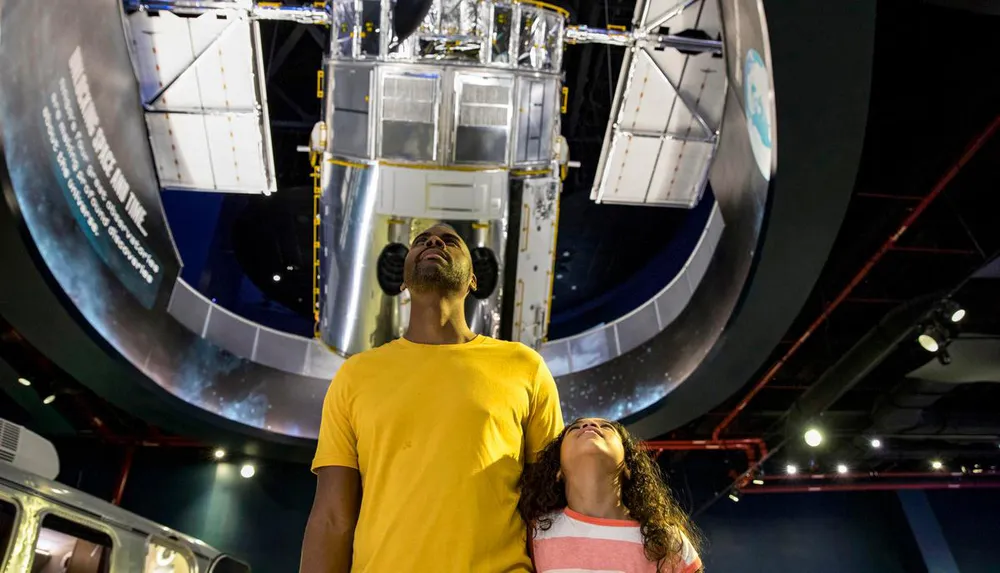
[372, 356]
[515, 350]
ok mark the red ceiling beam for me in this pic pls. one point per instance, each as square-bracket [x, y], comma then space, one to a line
[868, 476]
[747, 445]
[889, 243]
[123, 475]
[870, 487]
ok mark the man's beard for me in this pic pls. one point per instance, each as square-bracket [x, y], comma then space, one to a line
[443, 280]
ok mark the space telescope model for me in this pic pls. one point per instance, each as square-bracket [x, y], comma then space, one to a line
[445, 111]
[455, 119]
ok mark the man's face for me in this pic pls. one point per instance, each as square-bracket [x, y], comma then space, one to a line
[439, 262]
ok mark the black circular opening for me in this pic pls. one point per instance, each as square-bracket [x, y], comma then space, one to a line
[389, 268]
[487, 270]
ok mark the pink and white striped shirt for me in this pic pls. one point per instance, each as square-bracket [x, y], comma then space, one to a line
[579, 544]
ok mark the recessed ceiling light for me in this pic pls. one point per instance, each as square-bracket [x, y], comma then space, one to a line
[276, 278]
[937, 464]
[791, 469]
[219, 453]
[876, 443]
[49, 399]
[24, 381]
[842, 468]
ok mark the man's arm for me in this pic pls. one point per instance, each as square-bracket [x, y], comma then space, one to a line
[545, 421]
[329, 540]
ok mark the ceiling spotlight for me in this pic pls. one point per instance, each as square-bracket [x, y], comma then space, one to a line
[876, 443]
[936, 464]
[931, 338]
[219, 454]
[813, 437]
[791, 469]
[248, 471]
[276, 278]
[758, 481]
[842, 468]
[735, 495]
[951, 309]
[24, 381]
[49, 399]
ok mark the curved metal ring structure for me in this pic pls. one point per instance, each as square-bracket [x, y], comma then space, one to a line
[78, 300]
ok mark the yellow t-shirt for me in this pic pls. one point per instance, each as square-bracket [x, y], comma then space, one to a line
[439, 434]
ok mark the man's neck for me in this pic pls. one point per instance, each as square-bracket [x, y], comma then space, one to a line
[437, 320]
[596, 494]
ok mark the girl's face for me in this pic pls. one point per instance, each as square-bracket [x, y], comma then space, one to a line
[590, 441]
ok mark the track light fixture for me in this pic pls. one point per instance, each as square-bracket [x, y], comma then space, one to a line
[931, 338]
[952, 311]
[735, 495]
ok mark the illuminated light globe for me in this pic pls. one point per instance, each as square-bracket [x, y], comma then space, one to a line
[248, 471]
[813, 437]
[756, 96]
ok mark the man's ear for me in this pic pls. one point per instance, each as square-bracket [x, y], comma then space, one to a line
[474, 284]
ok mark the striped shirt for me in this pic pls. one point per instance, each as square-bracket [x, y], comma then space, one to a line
[579, 544]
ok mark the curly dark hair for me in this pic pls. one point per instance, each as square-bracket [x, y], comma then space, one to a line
[644, 494]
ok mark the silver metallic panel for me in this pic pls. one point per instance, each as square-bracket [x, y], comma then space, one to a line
[281, 351]
[698, 263]
[593, 347]
[235, 334]
[637, 327]
[409, 116]
[321, 361]
[501, 34]
[188, 307]
[343, 28]
[351, 87]
[349, 119]
[370, 25]
[556, 356]
[540, 42]
[482, 129]
[350, 134]
[672, 300]
[532, 130]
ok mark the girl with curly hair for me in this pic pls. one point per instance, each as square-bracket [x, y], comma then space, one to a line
[595, 501]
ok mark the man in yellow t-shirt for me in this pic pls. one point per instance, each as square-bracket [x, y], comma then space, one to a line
[434, 429]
